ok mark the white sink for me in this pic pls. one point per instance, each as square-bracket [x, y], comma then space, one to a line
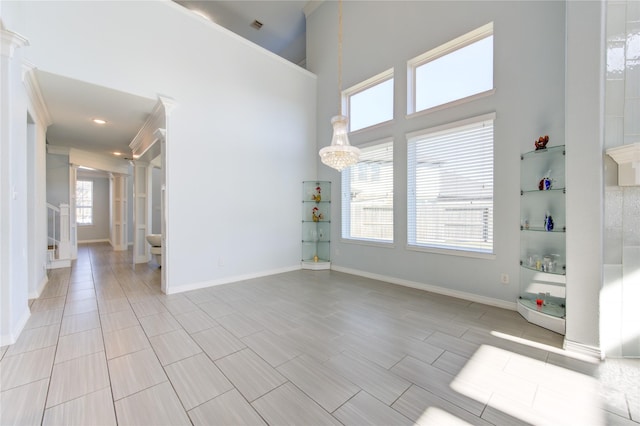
[155, 240]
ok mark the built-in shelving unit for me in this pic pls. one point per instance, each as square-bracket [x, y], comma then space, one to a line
[316, 225]
[543, 228]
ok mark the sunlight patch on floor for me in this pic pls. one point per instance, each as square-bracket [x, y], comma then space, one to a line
[545, 347]
[437, 416]
[530, 390]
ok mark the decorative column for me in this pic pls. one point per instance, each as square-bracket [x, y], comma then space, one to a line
[142, 174]
[73, 226]
[119, 212]
[64, 249]
[14, 308]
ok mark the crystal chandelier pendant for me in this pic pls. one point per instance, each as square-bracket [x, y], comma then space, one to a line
[340, 154]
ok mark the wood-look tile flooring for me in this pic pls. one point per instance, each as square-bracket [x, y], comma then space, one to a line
[105, 346]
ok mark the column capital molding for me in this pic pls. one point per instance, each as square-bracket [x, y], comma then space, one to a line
[10, 40]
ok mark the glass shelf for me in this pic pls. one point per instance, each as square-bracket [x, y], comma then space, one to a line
[559, 270]
[548, 308]
[539, 247]
[541, 152]
[316, 225]
[542, 191]
[538, 229]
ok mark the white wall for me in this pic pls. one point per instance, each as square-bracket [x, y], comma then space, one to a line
[14, 268]
[529, 102]
[584, 173]
[99, 229]
[239, 142]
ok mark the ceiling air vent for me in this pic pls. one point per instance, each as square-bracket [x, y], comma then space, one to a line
[256, 24]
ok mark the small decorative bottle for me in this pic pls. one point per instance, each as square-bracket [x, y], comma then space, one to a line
[548, 222]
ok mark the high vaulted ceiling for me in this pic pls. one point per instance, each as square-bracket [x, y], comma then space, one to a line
[74, 104]
[283, 28]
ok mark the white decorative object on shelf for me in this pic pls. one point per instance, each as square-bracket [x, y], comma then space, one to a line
[628, 159]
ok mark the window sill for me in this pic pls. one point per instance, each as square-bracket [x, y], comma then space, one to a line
[453, 252]
[370, 243]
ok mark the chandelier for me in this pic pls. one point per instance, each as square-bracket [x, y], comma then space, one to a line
[340, 154]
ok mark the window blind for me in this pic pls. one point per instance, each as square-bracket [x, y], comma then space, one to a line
[367, 195]
[450, 188]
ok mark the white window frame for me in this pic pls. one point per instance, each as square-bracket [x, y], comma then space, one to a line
[411, 206]
[438, 52]
[346, 201]
[82, 206]
[363, 86]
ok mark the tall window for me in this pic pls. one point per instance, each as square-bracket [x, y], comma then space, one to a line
[459, 69]
[84, 202]
[370, 102]
[367, 195]
[450, 186]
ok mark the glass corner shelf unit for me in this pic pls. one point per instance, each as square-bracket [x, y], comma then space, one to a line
[543, 238]
[316, 225]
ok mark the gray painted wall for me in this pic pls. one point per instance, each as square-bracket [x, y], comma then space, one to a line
[528, 101]
[57, 179]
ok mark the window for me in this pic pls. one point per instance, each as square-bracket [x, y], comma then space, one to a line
[367, 195]
[84, 202]
[456, 70]
[450, 186]
[370, 102]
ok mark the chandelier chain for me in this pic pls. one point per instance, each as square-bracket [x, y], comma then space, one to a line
[340, 57]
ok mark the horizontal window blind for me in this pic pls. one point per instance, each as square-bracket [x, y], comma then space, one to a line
[367, 195]
[450, 188]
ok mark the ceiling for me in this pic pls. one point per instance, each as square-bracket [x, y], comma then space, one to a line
[73, 104]
[283, 28]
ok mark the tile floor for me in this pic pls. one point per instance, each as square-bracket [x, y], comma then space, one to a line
[105, 346]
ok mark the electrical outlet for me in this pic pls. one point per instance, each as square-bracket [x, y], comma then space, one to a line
[220, 261]
[504, 278]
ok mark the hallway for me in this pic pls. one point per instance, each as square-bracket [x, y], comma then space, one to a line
[105, 346]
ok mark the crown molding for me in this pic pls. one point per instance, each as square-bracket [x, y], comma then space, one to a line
[34, 92]
[628, 159]
[58, 150]
[147, 135]
[311, 7]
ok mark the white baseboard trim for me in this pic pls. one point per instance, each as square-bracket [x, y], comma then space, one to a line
[589, 351]
[38, 291]
[11, 337]
[60, 263]
[428, 287]
[94, 241]
[229, 280]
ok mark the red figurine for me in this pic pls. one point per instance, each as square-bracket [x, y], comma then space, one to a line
[542, 141]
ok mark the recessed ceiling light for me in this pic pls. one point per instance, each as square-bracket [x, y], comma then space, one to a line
[99, 121]
[117, 153]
